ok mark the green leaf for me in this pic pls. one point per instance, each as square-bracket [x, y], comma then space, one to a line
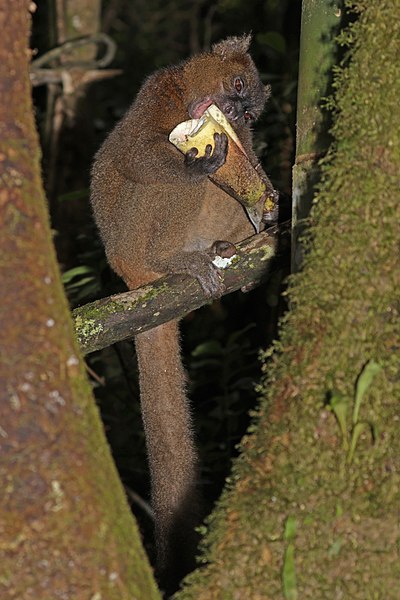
[71, 273]
[212, 347]
[76, 195]
[339, 510]
[289, 574]
[290, 529]
[357, 431]
[339, 404]
[364, 382]
[80, 283]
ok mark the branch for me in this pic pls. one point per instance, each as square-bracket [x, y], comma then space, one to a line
[116, 318]
[44, 70]
[70, 46]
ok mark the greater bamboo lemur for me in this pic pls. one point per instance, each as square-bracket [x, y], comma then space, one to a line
[158, 213]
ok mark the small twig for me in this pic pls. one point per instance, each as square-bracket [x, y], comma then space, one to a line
[93, 374]
[44, 71]
[70, 46]
[140, 502]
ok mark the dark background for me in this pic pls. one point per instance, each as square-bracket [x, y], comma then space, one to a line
[220, 341]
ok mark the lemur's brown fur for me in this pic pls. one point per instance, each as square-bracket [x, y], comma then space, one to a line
[157, 213]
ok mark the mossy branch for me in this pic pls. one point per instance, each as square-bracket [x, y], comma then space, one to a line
[109, 320]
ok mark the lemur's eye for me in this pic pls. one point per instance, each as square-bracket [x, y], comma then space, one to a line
[239, 85]
[248, 116]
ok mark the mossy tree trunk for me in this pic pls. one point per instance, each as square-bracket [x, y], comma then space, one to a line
[65, 526]
[312, 510]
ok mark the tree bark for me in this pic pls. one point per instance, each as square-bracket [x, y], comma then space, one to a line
[312, 509]
[65, 526]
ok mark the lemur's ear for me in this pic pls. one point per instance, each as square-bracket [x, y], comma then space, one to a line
[232, 46]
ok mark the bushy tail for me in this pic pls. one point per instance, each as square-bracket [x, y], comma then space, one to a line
[171, 451]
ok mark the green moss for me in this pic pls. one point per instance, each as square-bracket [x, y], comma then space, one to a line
[88, 318]
[345, 313]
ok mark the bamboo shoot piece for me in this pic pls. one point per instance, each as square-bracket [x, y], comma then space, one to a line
[237, 176]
